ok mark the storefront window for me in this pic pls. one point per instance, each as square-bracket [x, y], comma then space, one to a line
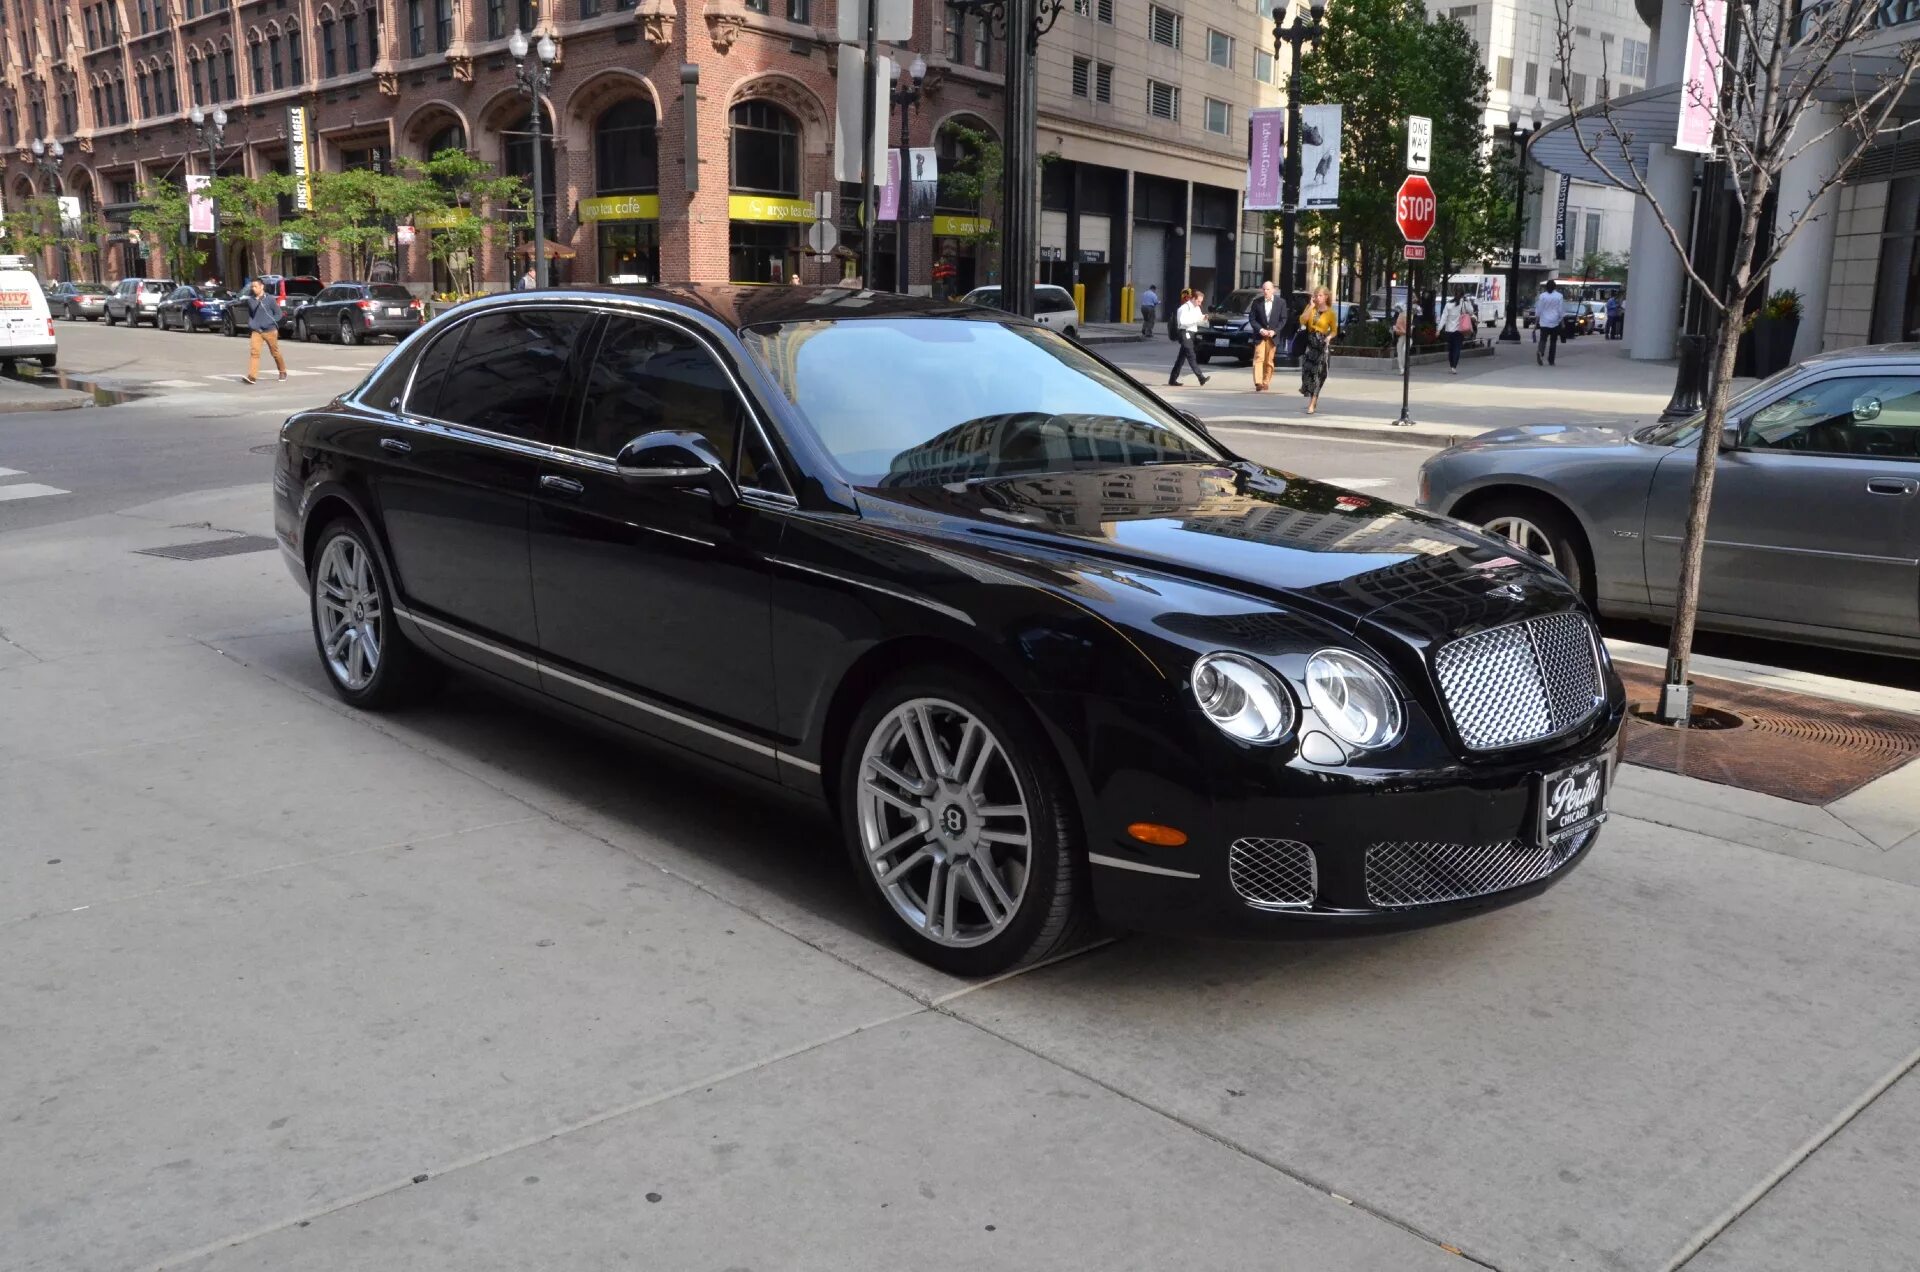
[764, 238]
[766, 149]
[630, 252]
[626, 177]
[626, 150]
[759, 253]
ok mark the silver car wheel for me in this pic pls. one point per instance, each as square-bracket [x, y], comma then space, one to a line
[943, 822]
[347, 612]
[1522, 533]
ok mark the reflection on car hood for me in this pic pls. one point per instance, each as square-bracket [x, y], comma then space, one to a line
[1611, 434]
[1250, 530]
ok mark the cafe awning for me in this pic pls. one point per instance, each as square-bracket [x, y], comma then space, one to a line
[555, 251]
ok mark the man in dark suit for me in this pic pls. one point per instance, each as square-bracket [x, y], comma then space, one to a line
[1268, 316]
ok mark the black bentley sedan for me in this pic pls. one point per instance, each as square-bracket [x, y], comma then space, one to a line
[1047, 650]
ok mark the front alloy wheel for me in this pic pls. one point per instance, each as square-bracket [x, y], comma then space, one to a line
[959, 821]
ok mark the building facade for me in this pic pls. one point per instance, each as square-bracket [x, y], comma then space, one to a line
[680, 140]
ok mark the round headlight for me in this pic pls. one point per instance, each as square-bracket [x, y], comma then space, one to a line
[1353, 699]
[1242, 698]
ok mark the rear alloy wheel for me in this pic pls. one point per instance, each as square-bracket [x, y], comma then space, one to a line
[369, 662]
[960, 825]
[1537, 526]
[348, 336]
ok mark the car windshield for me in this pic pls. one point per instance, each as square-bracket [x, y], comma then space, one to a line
[927, 401]
[389, 291]
[1686, 431]
[1239, 302]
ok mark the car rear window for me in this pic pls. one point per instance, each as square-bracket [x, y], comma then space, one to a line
[389, 291]
[302, 286]
[157, 285]
[90, 289]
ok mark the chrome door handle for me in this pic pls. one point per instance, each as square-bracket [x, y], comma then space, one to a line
[395, 445]
[1890, 486]
[562, 485]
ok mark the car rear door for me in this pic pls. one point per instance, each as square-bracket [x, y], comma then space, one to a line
[1815, 520]
[654, 602]
[454, 486]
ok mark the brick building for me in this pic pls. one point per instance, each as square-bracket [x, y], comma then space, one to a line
[683, 140]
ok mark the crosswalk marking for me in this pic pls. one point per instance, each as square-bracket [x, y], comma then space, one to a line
[334, 366]
[11, 472]
[29, 490]
[175, 384]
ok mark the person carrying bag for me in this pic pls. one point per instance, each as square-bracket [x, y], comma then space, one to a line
[1186, 321]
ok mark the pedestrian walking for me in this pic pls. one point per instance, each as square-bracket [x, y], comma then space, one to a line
[1319, 324]
[1402, 337]
[1549, 313]
[1267, 316]
[1616, 316]
[1186, 320]
[1458, 320]
[527, 279]
[263, 327]
[1149, 309]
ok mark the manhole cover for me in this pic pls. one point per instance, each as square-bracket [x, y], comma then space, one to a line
[210, 548]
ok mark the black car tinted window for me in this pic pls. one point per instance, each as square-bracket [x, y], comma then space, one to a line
[429, 376]
[511, 371]
[648, 377]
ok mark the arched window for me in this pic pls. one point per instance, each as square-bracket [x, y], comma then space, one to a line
[257, 57]
[140, 92]
[350, 33]
[766, 149]
[626, 149]
[452, 137]
[169, 86]
[276, 75]
[226, 66]
[329, 56]
[296, 59]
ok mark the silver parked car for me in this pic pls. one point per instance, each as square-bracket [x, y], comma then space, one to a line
[1814, 533]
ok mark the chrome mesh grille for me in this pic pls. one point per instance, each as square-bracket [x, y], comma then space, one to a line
[1273, 872]
[1423, 872]
[1520, 682]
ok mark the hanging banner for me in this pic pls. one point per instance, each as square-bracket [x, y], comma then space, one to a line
[1320, 156]
[890, 189]
[1560, 221]
[1266, 153]
[923, 182]
[199, 205]
[299, 158]
[1700, 80]
[69, 214]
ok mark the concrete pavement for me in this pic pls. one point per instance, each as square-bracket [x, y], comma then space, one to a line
[283, 986]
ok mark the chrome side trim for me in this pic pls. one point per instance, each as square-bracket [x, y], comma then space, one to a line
[1122, 864]
[590, 686]
[848, 579]
[1774, 547]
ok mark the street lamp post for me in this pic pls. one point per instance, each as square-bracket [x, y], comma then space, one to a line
[906, 96]
[533, 80]
[1517, 127]
[1294, 36]
[210, 132]
[46, 157]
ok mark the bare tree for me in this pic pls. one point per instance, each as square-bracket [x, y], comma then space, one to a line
[1778, 62]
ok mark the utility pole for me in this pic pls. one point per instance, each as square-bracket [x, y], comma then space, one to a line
[533, 80]
[1292, 272]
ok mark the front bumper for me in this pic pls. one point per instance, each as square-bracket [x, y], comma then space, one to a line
[1352, 852]
[1239, 342]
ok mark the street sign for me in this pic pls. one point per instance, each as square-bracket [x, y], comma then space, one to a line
[1419, 144]
[823, 237]
[1415, 208]
[1415, 251]
[892, 19]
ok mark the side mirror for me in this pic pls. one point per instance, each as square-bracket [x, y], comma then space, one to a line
[685, 461]
[1730, 435]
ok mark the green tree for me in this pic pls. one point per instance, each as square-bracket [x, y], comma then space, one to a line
[1611, 266]
[32, 226]
[1385, 60]
[974, 181]
[250, 210]
[354, 212]
[161, 221]
[461, 196]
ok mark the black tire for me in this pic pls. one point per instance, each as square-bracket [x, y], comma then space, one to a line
[349, 336]
[49, 360]
[302, 332]
[1202, 356]
[231, 328]
[1566, 540]
[110, 318]
[1053, 911]
[403, 674]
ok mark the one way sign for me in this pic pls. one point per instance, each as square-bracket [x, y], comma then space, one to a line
[1419, 144]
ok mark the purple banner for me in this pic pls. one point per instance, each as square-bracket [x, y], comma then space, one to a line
[1266, 150]
[199, 206]
[890, 192]
[1700, 79]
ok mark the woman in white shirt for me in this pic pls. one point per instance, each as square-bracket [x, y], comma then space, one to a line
[1457, 321]
[1188, 319]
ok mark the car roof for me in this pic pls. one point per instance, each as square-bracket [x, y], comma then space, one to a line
[742, 305]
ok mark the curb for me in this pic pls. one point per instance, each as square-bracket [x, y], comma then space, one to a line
[1415, 436]
[57, 400]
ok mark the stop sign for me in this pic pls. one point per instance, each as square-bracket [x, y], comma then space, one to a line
[1414, 208]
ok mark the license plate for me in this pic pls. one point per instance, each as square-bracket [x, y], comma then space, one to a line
[394, 311]
[1221, 342]
[1573, 797]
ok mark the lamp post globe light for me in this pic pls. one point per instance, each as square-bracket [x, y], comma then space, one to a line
[47, 157]
[906, 96]
[533, 80]
[1301, 32]
[211, 132]
[1521, 129]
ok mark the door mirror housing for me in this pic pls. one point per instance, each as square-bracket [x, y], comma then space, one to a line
[1730, 435]
[683, 460]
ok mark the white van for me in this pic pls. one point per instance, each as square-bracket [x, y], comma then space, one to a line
[1052, 306]
[26, 324]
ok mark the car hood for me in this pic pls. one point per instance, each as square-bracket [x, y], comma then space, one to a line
[1610, 433]
[1244, 529]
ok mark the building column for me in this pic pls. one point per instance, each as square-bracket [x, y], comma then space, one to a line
[1806, 265]
[1655, 272]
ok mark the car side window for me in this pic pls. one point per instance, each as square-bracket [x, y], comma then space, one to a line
[1875, 415]
[647, 377]
[511, 370]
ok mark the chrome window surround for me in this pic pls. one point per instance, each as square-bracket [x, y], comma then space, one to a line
[572, 455]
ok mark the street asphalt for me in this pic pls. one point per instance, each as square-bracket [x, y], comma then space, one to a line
[283, 986]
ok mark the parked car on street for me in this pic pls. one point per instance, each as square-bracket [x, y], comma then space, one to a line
[74, 301]
[351, 312]
[137, 300]
[188, 308]
[1044, 647]
[1052, 306]
[1228, 333]
[292, 291]
[26, 324]
[1813, 533]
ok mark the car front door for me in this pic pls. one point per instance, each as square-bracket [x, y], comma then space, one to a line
[1815, 519]
[455, 485]
[654, 601]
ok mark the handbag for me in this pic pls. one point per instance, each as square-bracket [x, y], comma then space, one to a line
[1466, 322]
